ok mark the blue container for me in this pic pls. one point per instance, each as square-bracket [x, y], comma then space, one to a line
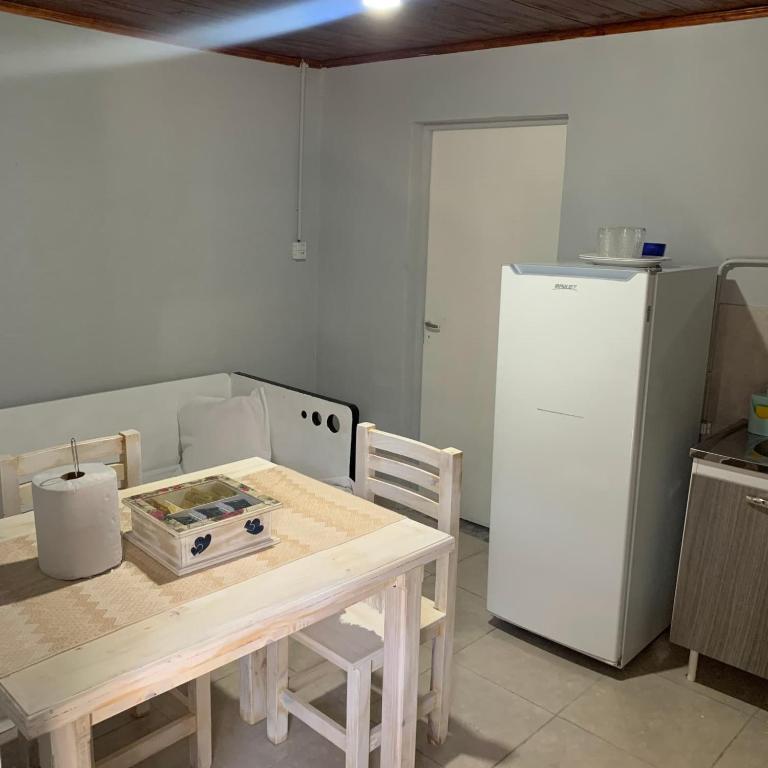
[654, 249]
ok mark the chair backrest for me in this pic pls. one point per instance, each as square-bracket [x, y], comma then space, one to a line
[420, 477]
[122, 452]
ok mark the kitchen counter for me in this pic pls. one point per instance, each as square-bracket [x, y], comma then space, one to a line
[721, 602]
[735, 447]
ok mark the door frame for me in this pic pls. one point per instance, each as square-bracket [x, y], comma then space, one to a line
[422, 134]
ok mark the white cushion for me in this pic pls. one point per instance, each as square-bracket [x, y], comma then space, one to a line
[161, 473]
[342, 483]
[152, 409]
[215, 430]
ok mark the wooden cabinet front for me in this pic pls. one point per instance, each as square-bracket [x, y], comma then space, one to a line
[721, 604]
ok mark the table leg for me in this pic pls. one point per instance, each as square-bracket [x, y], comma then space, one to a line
[358, 730]
[277, 683]
[402, 629]
[69, 746]
[693, 666]
[253, 685]
[200, 746]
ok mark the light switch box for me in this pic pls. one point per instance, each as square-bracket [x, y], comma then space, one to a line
[299, 250]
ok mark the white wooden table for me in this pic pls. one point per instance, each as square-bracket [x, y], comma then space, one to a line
[60, 698]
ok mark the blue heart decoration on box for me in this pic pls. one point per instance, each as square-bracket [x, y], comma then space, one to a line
[201, 544]
[254, 526]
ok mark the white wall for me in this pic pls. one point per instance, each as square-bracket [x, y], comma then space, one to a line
[666, 129]
[147, 204]
[147, 196]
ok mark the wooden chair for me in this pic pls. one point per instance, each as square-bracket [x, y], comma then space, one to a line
[421, 478]
[122, 452]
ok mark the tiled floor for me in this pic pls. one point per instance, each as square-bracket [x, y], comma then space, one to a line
[520, 702]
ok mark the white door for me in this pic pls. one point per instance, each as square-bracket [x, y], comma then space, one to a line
[495, 196]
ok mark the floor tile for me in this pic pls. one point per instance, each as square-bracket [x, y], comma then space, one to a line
[236, 741]
[659, 656]
[543, 678]
[333, 704]
[657, 720]
[472, 618]
[723, 683]
[130, 730]
[172, 708]
[300, 658]
[473, 574]
[233, 740]
[560, 744]
[112, 724]
[707, 686]
[720, 682]
[468, 547]
[227, 687]
[124, 729]
[487, 722]
[176, 756]
[421, 760]
[508, 687]
[639, 711]
[471, 545]
[481, 532]
[749, 749]
[226, 670]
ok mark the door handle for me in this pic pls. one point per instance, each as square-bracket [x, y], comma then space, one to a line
[432, 327]
[756, 501]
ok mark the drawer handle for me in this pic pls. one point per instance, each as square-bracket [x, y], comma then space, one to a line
[756, 501]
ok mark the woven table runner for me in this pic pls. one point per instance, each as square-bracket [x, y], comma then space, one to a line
[41, 617]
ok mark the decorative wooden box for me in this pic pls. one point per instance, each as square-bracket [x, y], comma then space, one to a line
[194, 525]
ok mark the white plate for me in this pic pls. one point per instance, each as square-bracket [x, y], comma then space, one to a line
[609, 261]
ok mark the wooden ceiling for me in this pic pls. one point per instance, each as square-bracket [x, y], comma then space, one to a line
[419, 28]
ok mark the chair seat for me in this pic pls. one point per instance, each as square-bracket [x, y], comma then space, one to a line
[357, 634]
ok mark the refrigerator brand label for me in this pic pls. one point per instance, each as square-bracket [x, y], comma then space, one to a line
[565, 287]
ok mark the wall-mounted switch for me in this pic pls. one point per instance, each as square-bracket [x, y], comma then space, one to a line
[299, 250]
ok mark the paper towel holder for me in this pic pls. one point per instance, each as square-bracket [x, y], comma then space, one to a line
[75, 463]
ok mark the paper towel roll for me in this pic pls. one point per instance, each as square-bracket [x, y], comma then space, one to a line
[77, 522]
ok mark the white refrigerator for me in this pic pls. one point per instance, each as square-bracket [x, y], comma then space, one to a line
[599, 389]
